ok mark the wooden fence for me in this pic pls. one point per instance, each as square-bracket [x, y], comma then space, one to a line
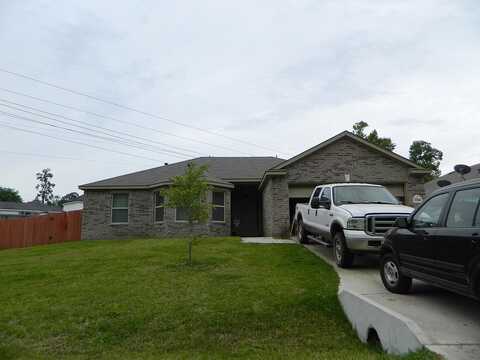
[40, 230]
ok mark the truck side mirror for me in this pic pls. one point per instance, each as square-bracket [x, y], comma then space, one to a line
[402, 223]
[315, 203]
[325, 203]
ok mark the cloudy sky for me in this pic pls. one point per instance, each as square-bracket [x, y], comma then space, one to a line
[228, 78]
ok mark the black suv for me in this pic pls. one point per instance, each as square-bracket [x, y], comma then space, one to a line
[439, 243]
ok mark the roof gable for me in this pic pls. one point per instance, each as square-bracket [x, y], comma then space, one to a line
[342, 135]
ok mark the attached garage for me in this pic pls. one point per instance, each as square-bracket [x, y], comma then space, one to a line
[343, 158]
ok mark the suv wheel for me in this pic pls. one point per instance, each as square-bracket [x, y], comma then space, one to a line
[343, 257]
[301, 233]
[392, 278]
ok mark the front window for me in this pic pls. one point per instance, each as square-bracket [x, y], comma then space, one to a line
[181, 214]
[120, 209]
[429, 214]
[463, 209]
[159, 207]
[361, 194]
[218, 206]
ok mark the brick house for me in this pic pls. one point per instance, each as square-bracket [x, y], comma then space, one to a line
[251, 196]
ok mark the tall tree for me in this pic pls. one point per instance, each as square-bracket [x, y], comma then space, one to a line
[189, 193]
[372, 137]
[425, 155]
[45, 187]
[9, 194]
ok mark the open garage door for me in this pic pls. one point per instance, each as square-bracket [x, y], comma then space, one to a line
[296, 195]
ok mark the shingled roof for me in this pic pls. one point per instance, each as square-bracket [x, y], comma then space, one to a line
[34, 206]
[222, 171]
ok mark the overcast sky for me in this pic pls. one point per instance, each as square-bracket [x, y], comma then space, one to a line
[284, 75]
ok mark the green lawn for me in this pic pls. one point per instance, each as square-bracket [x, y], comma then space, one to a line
[137, 299]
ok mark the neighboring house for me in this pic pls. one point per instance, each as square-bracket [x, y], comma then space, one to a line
[251, 196]
[14, 210]
[73, 205]
[453, 177]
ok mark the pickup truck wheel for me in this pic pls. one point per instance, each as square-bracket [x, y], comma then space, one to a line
[392, 278]
[343, 257]
[301, 233]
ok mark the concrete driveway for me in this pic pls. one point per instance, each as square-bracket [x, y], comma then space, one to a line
[449, 324]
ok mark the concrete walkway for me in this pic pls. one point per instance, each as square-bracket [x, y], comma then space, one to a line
[266, 240]
[446, 323]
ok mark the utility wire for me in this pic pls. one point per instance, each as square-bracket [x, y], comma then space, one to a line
[122, 121]
[9, 126]
[92, 129]
[121, 142]
[96, 126]
[47, 156]
[129, 108]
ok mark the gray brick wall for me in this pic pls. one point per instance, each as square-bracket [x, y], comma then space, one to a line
[329, 165]
[96, 223]
[275, 207]
[267, 208]
[414, 186]
[346, 156]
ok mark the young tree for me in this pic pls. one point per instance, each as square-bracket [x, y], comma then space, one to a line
[9, 194]
[189, 192]
[424, 154]
[45, 187]
[372, 137]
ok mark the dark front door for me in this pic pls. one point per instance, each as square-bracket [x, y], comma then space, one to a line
[245, 207]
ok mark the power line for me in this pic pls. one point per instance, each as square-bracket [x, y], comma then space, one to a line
[91, 129]
[122, 121]
[125, 143]
[129, 108]
[47, 156]
[96, 126]
[6, 125]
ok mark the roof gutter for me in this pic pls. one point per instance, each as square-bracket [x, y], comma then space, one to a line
[270, 173]
[147, 187]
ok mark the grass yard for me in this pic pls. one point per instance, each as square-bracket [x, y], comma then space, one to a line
[137, 299]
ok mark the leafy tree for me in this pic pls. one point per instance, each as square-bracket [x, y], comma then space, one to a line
[45, 187]
[372, 137]
[189, 192]
[68, 197]
[425, 155]
[9, 194]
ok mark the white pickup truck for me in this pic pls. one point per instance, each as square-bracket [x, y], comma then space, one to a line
[350, 217]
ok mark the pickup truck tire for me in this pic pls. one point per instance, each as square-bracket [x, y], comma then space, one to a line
[301, 233]
[343, 257]
[392, 278]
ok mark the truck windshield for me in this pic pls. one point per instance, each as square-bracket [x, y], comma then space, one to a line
[360, 194]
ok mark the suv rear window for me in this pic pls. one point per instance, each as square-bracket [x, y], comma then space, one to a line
[464, 208]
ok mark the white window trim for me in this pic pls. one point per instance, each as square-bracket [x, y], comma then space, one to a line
[155, 208]
[219, 206]
[179, 221]
[120, 208]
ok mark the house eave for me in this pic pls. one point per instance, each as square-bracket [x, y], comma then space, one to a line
[147, 187]
[270, 173]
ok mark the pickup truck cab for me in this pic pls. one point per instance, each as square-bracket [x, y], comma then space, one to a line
[350, 217]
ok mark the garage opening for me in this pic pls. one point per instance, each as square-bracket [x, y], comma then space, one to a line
[293, 202]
